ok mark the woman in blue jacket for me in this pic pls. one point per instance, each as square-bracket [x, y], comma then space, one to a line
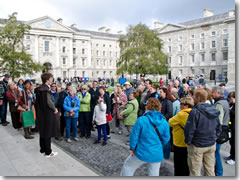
[145, 144]
[71, 106]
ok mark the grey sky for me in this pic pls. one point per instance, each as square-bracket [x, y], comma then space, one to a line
[117, 15]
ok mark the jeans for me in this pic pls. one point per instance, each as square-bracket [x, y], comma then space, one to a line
[218, 165]
[103, 128]
[3, 112]
[132, 163]
[69, 121]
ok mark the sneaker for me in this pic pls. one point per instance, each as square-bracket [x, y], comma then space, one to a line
[51, 155]
[68, 140]
[109, 136]
[104, 143]
[230, 161]
[227, 158]
[76, 139]
[119, 132]
[127, 143]
[96, 142]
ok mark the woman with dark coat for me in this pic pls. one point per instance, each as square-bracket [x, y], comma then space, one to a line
[12, 97]
[45, 112]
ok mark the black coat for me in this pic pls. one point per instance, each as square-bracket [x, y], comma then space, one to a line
[61, 98]
[232, 117]
[46, 119]
[94, 95]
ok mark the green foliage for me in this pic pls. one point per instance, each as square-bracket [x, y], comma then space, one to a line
[142, 44]
[13, 57]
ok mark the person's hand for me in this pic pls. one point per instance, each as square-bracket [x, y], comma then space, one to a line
[56, 111]
[71, 110]
[16, 101]
[132, 152]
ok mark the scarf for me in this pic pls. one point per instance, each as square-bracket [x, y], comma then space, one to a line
[84, 94]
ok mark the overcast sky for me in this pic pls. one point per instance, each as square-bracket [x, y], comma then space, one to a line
[114, 14]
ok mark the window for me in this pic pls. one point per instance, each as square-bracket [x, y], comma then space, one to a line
[46, 46]
[97, 52]
[213, 44]
[64, 61]
[213, 33]
[180, 72]
[225, 72]
[28, 37]
[213, 56]
[225, 43]
[63, 49]
[202, 45]
[98, 62]
[74, 40]
[169, 60]
[202, 35]
[83, 62]
[83, 74]
[103, 45]
[104, 53]
[169, 40]
[83, 42]
[83, 51]
[179, 38]
[96, 45]
[225, 55]
[110, 45]
[64, 74]
[104, 74]
[110, 74]
[180, 60]
[203, 57]
[63, 40]
[202, 71]
[192, 46]
[180, 47]
[193, 58]
[225, 31]
[74, 50]
[110, 53]
[97, 73]
[74, 61]
[192, 36]
[28, 47]
[169, 49]
[110, 63]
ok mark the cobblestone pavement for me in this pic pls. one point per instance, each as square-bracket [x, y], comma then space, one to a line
[106, 160]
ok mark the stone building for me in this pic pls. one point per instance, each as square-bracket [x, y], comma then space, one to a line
[69, 52]
[201, 46]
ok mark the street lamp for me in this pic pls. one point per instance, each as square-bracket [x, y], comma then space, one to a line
[166, 65]
[136, 64]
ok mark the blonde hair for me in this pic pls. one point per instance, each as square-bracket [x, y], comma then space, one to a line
[187, 101]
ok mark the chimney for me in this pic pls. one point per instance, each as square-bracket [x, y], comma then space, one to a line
[207, 12]
[73, 25]
[120, 32]
[108, 30]
[60, 20]
[157, 25]
[231, 13]
[102, 29]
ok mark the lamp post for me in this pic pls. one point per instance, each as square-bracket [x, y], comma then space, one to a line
[136, 64]
[166, 65]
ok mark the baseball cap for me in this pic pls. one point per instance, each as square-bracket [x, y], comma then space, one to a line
[7, 75]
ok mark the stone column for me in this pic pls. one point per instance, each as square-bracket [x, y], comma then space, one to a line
[36, 48]
[57, 53]
[231, 53]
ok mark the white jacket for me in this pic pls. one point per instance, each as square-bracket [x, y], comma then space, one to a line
[99, 114]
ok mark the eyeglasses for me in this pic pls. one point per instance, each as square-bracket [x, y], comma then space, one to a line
[53, 86]
[182, 104]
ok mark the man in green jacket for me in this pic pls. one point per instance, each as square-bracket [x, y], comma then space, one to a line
[84, 118]
[131, 113]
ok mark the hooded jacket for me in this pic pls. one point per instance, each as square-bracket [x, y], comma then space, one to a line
[202, 127]
[144, 139]
[67, 105]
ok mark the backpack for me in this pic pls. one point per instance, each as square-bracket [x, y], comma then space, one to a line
[124, 107]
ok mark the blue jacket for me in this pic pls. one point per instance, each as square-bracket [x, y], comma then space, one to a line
[144, 139]
[176, 107]
[67, 105]
[203, 126]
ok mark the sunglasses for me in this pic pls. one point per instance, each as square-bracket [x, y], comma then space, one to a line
[53, 86]
[182, 104]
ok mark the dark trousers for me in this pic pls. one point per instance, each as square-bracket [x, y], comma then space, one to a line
[16, 120]
[62, 123]
[85, 123]
[103, 128]
[232, 143]
[45, 145]
[108, 128]
[3, 112]
[180, 161]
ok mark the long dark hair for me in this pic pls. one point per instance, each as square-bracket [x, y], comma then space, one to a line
[168, 94]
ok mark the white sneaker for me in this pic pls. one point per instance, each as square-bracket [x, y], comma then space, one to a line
[51, 155]
[230, 161]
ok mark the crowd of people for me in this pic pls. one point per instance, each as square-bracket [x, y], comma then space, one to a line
[185, 118]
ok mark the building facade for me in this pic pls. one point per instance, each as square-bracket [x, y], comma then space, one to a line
[69, 52]
[201, 46]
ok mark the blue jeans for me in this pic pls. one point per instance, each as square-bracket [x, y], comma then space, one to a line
[103, 127]
[3, 112]
[132, 163]
[218, 165]
[69, 121]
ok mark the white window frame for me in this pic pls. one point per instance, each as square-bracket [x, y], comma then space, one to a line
[214, 33]
[28, 37]
[169, 39]
[192, 46]
[75, 52]
[64, 49]
[223, 55]
[193, 58]
[214, 57]
[203, 71]
[28, 47]
[64, 60]
[224, 43]
[83, 62]
[192, 36]
[83, 51]
[104, 53]
[180, 60]
[203, 55]
[169, 49]
[180, 47]
[202, 45]
[74, 61]
[98, 53]
[49, 46]
[202, 35]
[225, 31]
[214, 44]
[180, 38]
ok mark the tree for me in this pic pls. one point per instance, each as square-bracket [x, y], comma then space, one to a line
[13, 57]
[142, 44]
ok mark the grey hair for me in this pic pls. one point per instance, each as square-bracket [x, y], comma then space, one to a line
[218, 90]
[74, 90]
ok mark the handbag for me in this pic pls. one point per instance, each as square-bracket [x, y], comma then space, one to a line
[70, 114]
[224, 136]
[20, 108]
[109, 117]
[28, 118]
